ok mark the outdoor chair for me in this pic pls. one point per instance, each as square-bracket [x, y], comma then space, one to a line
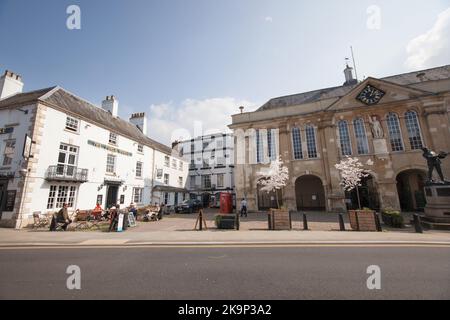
[39, 220]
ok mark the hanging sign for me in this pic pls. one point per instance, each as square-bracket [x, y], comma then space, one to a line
[26, 153]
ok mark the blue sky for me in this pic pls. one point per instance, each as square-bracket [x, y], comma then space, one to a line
[182, 60]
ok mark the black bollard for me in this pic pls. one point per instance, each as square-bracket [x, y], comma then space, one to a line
[200, 218]
[377, 221]
[237, 221]
[418, 224]
[305, 222]
[341, 222]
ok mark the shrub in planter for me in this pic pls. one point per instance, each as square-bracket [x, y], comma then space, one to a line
[392, 218]
[225, 221]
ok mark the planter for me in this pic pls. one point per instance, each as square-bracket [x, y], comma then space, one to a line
[363, 220]
[279, 219]
[392, 219]
[225, 221]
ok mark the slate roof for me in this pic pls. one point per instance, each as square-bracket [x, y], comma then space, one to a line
[66, 101]
[409, 78]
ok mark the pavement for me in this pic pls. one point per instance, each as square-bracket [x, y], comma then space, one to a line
[224, 273]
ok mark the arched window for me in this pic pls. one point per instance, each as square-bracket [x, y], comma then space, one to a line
[395, 134]
[360, 135]
[413, 126]
[271, 148]
[297, 143]
[344, 137]
[259, 147]
[311, 141]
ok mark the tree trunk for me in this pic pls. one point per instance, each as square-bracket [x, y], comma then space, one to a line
[357, 194]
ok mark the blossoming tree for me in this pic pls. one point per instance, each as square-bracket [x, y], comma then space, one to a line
[275, 178]
[352, 172]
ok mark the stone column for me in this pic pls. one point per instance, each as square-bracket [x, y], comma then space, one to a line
[285, 148]
[335, 196]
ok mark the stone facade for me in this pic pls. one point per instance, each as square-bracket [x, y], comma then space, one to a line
[420, 101]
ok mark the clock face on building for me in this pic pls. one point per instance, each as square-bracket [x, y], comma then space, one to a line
[370, 95]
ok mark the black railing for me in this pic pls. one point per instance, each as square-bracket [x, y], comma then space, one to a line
[66, 173]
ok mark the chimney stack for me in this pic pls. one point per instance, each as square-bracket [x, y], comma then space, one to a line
[140, 121]
[111, 104]
[10, 84]
[349, 80]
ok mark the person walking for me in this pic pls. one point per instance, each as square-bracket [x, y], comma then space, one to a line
[244, 208]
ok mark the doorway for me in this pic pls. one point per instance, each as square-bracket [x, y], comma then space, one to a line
[368, 195]
[410, 189]
[310, 193]
[111, 196]
[3, 188]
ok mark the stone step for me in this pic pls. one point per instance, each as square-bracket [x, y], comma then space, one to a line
[436, 226]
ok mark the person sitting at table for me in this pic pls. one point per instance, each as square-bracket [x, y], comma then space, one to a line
[97, 212]
[62, 217]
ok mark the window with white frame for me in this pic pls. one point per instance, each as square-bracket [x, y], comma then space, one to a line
[206, 181]
[140, 148]
[111, 164]
[138, 169]
[159, 173]
[138, 194]
[8, 153]
[297, 143]
[360, 135]
[166, 178]
[259, 147]
[58, 195]
[220, 180]
[72, 124]
[414, 132]
[180, 165]
[344, 137]
[167, 161]
[180, 181]
[311, 141]
[51, 197]
[174, 163]
[113, 138]
[395, 133]
[193, 182]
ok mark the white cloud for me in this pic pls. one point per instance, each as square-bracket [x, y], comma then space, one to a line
[431, 48]
[168, 122]
[268, 19]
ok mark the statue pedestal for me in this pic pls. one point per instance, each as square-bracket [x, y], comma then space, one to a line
[380, 148]
[437, 210]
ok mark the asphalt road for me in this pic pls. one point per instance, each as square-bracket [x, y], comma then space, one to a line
[226, 273]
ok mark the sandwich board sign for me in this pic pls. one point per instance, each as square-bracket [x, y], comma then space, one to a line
[120, 223]
[131, 220]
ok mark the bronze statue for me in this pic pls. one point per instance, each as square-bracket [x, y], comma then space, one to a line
[434, 162]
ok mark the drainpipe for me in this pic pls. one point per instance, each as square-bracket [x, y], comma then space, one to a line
[153, 177]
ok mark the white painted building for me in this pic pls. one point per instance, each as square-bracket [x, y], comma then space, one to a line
[211, 166]
[81, 154]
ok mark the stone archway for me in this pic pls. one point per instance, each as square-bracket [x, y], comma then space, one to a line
[310, 193]
[368, 195]
[410, 189]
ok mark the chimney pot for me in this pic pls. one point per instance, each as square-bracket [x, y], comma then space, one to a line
[10, 84]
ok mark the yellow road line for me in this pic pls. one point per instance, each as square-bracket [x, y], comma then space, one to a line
[206, 246]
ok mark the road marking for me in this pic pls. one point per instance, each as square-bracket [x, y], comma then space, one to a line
[104, 242]
[205, 246]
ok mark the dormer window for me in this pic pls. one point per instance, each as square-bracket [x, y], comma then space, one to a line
[72, 124]
[113, 138]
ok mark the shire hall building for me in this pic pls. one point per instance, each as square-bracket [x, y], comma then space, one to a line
[384, 122]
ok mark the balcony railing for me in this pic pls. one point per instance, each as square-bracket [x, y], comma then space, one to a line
[66, 173]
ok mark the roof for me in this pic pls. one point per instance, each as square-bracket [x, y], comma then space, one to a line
[66, 101]
[169, 189]
[409, 78]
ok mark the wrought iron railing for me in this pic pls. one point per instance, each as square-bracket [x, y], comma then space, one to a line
[66, 173]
